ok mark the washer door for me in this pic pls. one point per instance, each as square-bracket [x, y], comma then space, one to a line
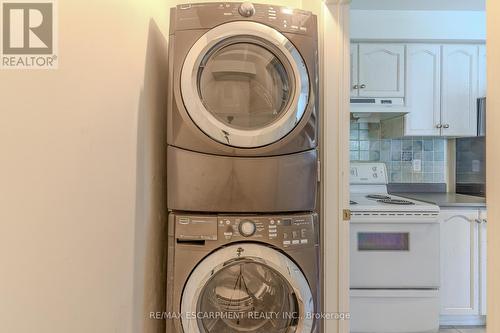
[247, 288]
[244, 84]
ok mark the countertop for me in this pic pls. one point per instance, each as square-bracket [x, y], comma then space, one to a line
[446, 199]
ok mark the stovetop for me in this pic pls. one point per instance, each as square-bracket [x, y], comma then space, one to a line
[369, 192]
[386, 202]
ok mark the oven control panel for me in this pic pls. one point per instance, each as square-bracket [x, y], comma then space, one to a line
[368, 174]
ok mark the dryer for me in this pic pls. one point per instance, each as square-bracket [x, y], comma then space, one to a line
[243, 112]
[243, 273]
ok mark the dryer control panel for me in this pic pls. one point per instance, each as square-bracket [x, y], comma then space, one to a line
[209, 15]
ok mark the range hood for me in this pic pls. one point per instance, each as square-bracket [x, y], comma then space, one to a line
[373, 110]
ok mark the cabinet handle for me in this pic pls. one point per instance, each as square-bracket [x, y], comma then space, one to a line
[363, 86]
[446, 125]
[478, 221]
[439, 126]
[485, 221]
[355, 86]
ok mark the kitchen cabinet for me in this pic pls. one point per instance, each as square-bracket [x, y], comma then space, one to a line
[443, 84]
[463, 266]
[459, 262]
[482, 71]
[423, 90]
[354, 70]
[483, 219]
[459, 90]
[377, 70]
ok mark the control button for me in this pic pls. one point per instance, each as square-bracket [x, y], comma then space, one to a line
[228, 222]
[303, 233]
[303, 241]
[285, 235]
[246, 9]
[295, 234]
[296, 241]
[286, 243]
[228, 234]
[247, 228]
[273, 235]
[272, 222]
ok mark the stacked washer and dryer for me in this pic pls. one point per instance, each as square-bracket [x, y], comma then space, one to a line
[243, 243]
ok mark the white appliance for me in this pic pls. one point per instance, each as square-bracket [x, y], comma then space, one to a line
[377, 109]
[394, 257]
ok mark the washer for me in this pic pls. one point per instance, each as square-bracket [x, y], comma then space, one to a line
[242, 108]
[243, 273]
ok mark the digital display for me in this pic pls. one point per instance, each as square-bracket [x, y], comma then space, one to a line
[383, 241]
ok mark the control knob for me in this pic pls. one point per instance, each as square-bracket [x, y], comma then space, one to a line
[247, 228]
[246, 9]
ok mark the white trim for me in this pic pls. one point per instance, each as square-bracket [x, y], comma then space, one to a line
[336, 92]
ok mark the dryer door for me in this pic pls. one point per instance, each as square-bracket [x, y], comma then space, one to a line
[244, 84]
[247, 288]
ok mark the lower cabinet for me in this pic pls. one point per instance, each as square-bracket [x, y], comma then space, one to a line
[463, 264]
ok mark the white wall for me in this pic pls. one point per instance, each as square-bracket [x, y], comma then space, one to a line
[82, 187]
[418, 25]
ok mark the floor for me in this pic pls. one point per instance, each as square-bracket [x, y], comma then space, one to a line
[461, 329]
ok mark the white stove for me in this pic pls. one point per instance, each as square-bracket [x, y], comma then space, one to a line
[394, 257]
[369, 192]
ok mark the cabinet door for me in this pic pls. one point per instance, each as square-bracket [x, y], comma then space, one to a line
[423, 79]
[483, 218]
[482, 71]
[459, 90]
[381, 70]
[354, 70]
[459, 262]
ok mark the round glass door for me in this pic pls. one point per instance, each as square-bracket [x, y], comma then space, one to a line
[247, 288]
[244, 84]
[250, 297]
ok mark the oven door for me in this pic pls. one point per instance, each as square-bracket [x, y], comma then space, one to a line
[394, 254]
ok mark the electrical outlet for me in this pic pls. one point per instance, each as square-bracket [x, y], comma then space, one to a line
[476, 166]
[417, 165]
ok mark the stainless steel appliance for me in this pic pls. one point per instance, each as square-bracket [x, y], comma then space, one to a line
[481, 116]
[242, 114]
[243, 273]
[394, 257]
[471, 158]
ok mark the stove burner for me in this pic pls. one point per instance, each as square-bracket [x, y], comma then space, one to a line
[378, 196]
[396, 202]
[353, 202]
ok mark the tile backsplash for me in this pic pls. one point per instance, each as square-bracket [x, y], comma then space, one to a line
[408, 160]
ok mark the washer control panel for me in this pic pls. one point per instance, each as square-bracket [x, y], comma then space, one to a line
[286, 231]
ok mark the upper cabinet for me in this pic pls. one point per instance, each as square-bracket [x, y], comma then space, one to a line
[377, 70]
[482, 71]
[354, 70]
[459, 90]
[443, 83]
[424, 90]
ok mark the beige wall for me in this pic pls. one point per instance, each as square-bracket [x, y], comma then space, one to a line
[492, 174]
[81, 175]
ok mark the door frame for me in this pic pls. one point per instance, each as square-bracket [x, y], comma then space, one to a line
[335, 70]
